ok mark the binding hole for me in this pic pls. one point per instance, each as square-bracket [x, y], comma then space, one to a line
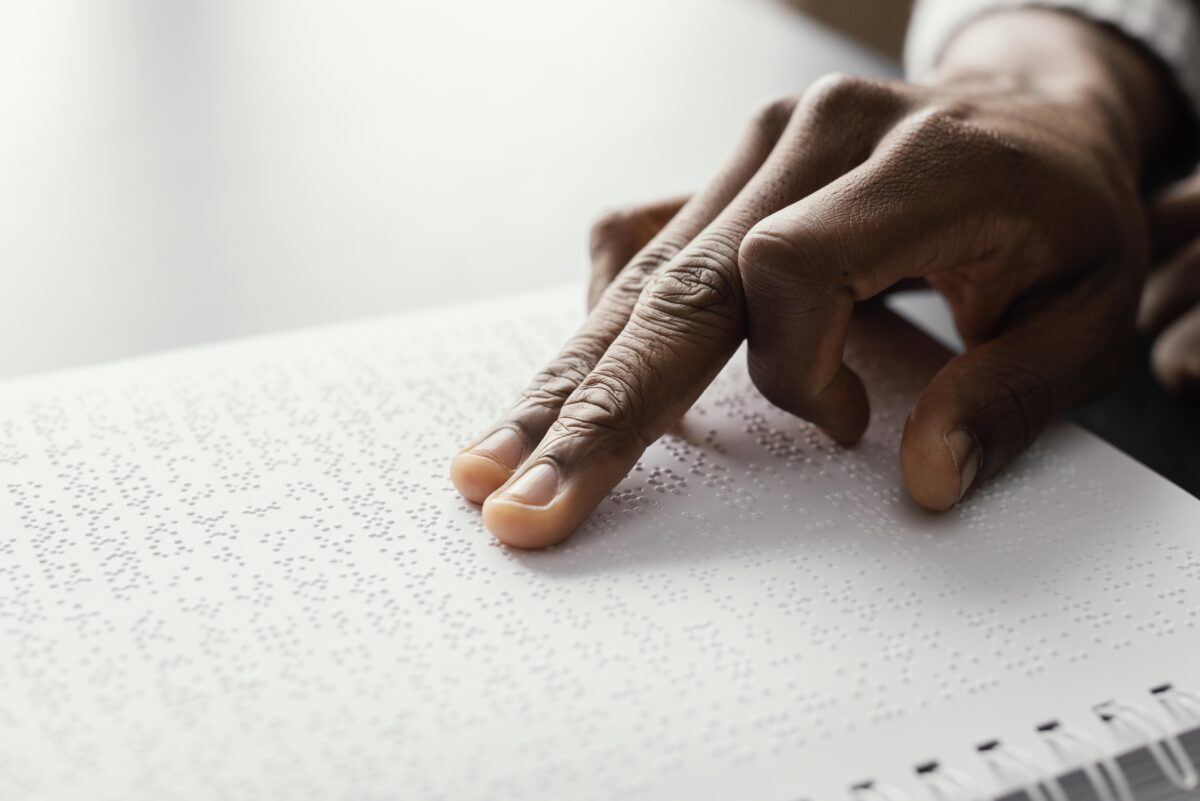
[945, 784]
[1184, 706]
[871, 790]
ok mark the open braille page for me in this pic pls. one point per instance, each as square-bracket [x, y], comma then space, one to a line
[240, 572]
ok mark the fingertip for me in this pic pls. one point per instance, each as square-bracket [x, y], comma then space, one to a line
[847, 434]
[1175, 358]
[476, 476]
[539, 508]
[1154, 307]
[842, 411]
[520, 525]
[848, 408]
[938, 467]
[531, 512]
[854, 414]
[929, 476]
[481, 469]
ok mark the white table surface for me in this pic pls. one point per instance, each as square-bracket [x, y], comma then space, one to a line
[182, 172]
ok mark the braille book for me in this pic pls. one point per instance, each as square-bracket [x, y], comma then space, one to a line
[240, 572]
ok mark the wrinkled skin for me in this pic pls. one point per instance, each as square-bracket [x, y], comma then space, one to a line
[1012, 189]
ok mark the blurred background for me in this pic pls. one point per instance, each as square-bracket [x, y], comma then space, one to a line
[182, 171]
[192, 170]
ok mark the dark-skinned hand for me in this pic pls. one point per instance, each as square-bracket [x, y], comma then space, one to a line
[1010, 184]
[1171, 302]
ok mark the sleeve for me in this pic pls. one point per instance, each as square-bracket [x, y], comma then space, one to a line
[1170, 29]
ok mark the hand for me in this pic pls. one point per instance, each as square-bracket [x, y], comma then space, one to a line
[1171, 303]
[1013, 194]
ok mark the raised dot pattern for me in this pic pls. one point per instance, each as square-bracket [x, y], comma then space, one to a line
[241, 572]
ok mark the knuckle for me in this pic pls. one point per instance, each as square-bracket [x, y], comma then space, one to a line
[554, 383]
[764, 254]
[629, 281]
[655, 255]
[779, 266]
[928, 129]
[700, 283]
[838, 95]
[761, 249]
[834, 86]
[773, 117]
[606, 404]
[951, 129]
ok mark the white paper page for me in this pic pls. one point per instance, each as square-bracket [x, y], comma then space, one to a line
[240, 572]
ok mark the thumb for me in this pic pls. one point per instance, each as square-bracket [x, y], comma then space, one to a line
[984, 407]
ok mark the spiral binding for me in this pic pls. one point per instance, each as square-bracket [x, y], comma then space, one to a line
[875, 791]
[1101, 769]
[946, 784]
[1183, 706]
[1166, 748]
[1014, 767]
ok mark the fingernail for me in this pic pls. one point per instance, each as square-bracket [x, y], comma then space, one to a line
[965, 451]
[505, 447]
[537, 487]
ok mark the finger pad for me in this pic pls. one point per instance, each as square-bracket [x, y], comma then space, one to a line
[527, 527]
[928, 470]
[476, 477]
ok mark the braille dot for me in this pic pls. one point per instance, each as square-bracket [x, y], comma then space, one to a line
[237, 566]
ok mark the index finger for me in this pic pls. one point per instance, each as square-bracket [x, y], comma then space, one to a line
[484, 466]
[687, 322]
[685, 325]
